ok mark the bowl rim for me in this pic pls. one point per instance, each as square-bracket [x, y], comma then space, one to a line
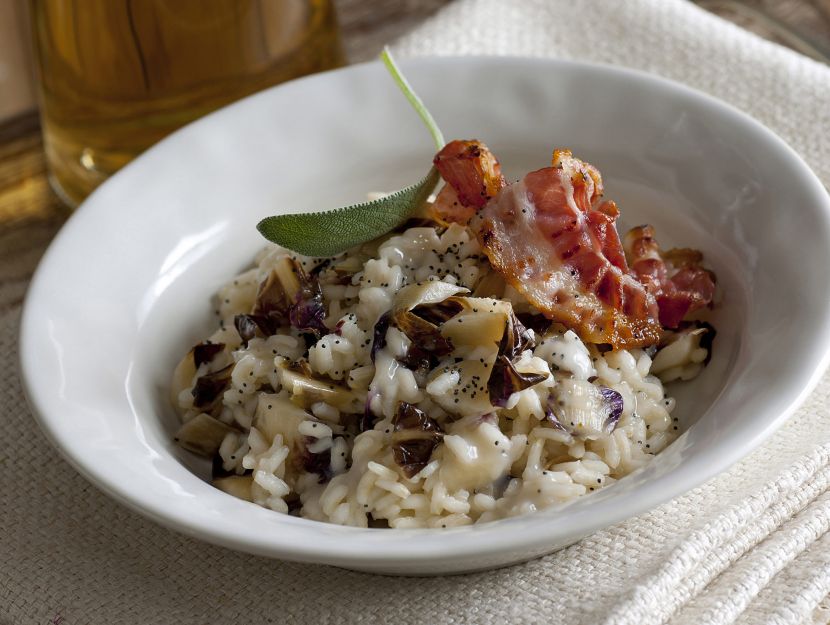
[446, 542]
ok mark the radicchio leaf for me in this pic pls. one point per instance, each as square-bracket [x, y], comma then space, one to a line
[218, 469]
[205, 352]
[517, 338]
[288, 293]
[504, 378]
[255, 325]
[614, 404]
[550, 417]
[307, 313]
[420, 325]
[441, 312]
[320, 267]
[706, 339]
[294, 503]
[270, 297]
[368, 420]
[418, 360]
[422, 333]
[209, 388]
[538, 323]
[377, 523]
[379, 335]
[319, 463]
[583, 409]
[415, 437]
[413, 454]
[408, 417]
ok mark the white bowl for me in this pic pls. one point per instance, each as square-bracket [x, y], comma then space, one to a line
[124, 289]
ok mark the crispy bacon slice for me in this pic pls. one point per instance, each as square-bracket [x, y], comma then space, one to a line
[473, 177]
[554, 241]
[675, 278]
[447, 208]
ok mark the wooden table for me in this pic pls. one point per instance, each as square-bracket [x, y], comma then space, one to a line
[30, 214]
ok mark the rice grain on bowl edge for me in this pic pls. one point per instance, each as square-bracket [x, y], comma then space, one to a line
[405, 384]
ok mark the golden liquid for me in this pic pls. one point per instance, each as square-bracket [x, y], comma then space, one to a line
[118, 75]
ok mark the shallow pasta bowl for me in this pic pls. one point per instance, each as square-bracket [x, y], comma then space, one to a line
[124, 289]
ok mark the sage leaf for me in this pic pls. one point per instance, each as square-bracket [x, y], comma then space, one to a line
[331, 232]
[412, 97]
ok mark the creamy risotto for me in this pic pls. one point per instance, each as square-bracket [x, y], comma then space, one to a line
[406, 383]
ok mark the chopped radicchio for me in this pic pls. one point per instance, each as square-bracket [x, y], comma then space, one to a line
[418, 360]
[270, 297]
[516, 338]
[319, 463]
[427, 344]
[415, 437]
[538, 323]
[440, 312]
[320, 267]
[614, 405]
[205, 352]
[379, 335]
[218, 469]
[307, 313]
[209, 388]
[255, 325]
[288, 293]
[551, 417]
[584, 409]
[294, 504]
[422, 333]
[504, 378]
[413, 454]
[408, 417]
[706, 339]
[376, 523]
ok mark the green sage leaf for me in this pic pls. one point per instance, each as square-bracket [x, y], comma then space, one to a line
[330, 232]
[412, 97]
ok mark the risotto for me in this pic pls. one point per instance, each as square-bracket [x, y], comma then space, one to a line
[413, 382]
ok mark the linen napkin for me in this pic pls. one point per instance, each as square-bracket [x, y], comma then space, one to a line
[749, 547]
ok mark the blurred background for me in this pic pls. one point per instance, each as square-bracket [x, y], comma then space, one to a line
[86, 85]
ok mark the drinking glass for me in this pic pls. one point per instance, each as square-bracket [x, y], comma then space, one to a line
[115, 76]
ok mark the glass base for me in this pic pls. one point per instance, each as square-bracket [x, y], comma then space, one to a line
[58, 190]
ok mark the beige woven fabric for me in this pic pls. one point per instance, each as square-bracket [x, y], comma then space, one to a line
[749, 547]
